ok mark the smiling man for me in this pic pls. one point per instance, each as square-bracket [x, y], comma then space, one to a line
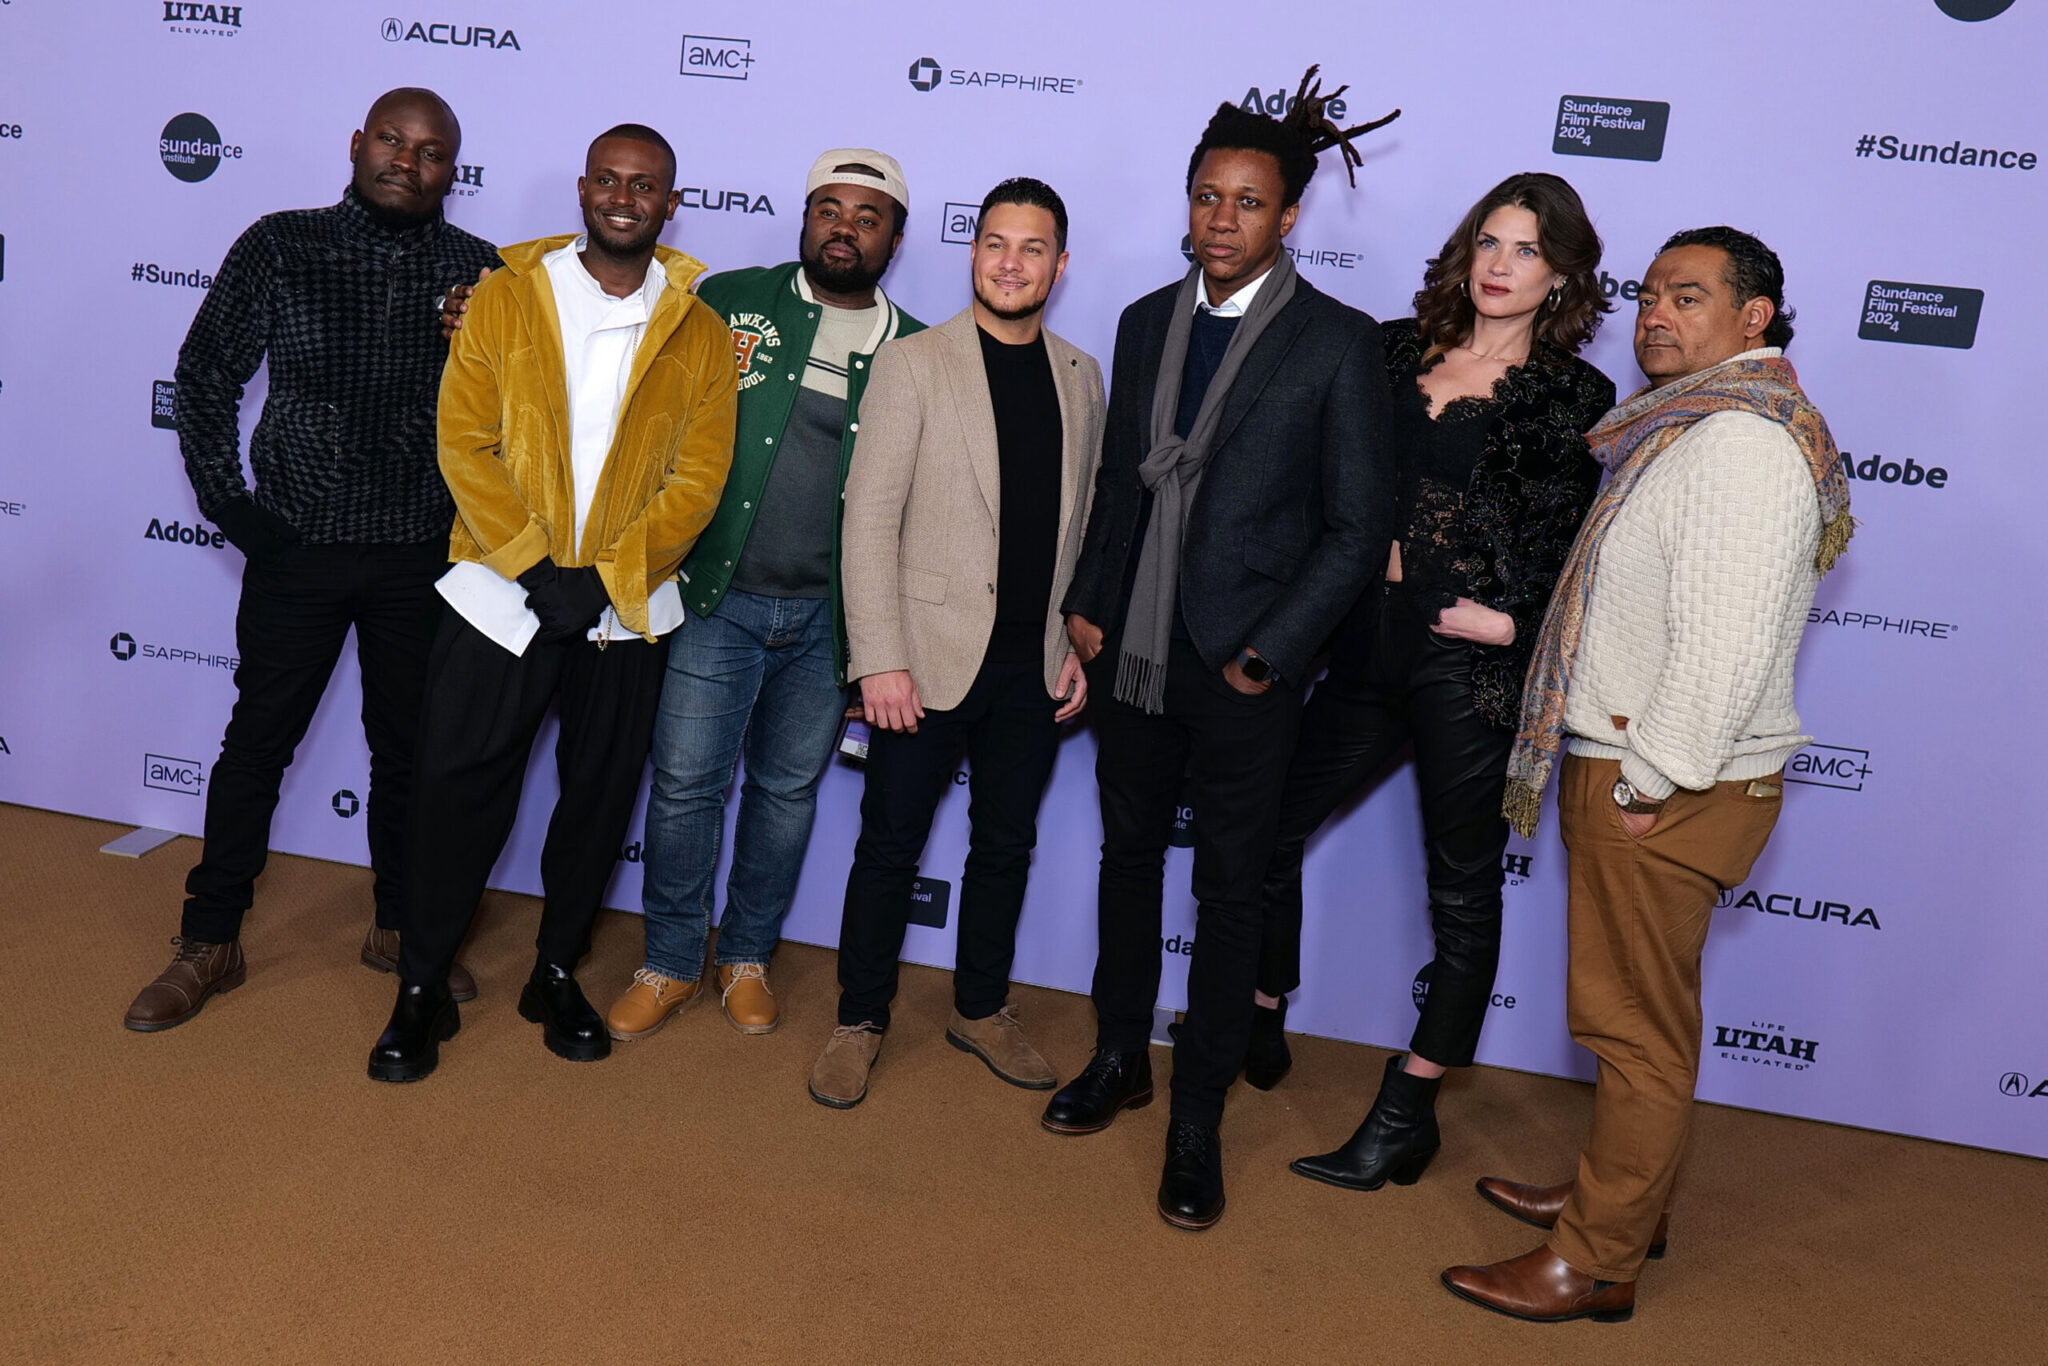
[964, 511]
[759, 663]
[1244, 502]
[347, 525]
[1664, 674]
[586, 424]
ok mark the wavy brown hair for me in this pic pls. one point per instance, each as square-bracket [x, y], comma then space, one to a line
[1443, 307]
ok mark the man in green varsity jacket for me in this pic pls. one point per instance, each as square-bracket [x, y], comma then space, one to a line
[761, 658]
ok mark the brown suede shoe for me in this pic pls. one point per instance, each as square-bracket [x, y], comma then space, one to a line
[1542, 1287]
[380, 951]
[199, 970]
[648, 1003]
[750, 1007]
[840, 1076]
[1540, 1205]
[998, 1042]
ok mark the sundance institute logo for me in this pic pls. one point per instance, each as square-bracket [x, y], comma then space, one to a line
[191, 149]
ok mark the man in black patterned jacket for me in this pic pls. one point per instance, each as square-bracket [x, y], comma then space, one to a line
[347, 525]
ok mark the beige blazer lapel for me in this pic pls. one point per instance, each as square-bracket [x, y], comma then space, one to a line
[1076, 430]
[967, 378]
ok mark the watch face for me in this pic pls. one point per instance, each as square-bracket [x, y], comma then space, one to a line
[1255, 668]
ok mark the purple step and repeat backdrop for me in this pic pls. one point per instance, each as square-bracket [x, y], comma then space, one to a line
[1884, 965]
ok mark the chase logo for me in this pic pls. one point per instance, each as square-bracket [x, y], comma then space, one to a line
[925, 74]
[167, 774]
[721, 59]
[121, 645]
[345, 804]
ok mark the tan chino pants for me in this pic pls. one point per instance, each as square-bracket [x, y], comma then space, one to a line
[1639, 912]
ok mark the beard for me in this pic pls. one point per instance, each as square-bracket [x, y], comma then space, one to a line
[853, 277]
[1009, 313]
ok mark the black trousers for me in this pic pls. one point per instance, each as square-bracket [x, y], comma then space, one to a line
[483, 708]
[1408, 684]
[1233, 750]
[295, 614]
[1005, 725]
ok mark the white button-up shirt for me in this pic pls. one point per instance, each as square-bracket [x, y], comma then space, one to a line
[1237, 304]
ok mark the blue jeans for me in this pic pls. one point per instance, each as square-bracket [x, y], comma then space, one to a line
[758, 673]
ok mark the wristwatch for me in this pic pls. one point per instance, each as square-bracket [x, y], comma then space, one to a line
[1633, 802]
[1256, 667]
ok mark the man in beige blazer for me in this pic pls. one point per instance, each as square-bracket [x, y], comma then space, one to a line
[970, 485]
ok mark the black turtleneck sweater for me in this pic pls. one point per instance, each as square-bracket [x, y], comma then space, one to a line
[343, 308]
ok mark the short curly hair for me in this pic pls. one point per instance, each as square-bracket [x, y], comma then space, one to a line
[1753, 272]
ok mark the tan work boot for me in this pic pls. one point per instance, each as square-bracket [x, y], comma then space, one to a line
[648, 1003]
[380, 951]
[750, 1007]
[998, 1042]
[199, 970]
[840, 1076]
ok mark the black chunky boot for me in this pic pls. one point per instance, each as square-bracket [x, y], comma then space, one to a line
[1266, 1057]
[1395, 1143]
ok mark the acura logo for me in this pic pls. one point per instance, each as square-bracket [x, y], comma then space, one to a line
[925, 73]
[2013, 1084]
[393, 30]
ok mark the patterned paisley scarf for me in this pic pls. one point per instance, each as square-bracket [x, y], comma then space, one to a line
[1625, 442]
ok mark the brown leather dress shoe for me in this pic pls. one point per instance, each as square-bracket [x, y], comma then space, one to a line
[1540, 1205]
[1542, 1287]
[199, 970]
[380, 951]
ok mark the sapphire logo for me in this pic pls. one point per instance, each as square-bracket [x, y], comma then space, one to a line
[722, 59]
[957, 224]
[163, 404]
[207, 21]
[1301, 256]
[167, 774]
[190, 148]
[122, 645]
[926, 74]
[1879, 622]
[1631, 130]
[449, 35]
[1836, 766]
[345, 804]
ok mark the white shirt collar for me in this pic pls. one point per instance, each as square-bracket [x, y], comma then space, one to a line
[580, 278]
[1237, 304]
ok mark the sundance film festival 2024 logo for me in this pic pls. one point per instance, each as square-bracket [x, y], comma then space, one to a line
[1921, 315]
[927, 75]
[1590, 126]
[191, 149]
[163, 404]
[202, 21]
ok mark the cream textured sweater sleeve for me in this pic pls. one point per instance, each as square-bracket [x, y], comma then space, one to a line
[1699, 604]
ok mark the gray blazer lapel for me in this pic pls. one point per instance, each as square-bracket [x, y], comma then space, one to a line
[967, 378]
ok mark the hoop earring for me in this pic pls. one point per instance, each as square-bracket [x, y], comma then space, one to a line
[1556, 294]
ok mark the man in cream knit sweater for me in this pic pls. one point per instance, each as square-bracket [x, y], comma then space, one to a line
[1664, 673]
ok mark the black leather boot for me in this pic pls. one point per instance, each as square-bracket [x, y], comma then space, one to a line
[1395, 1143]
[1191, 1183]
[410, 1046]
[569, 1027]
[1266, 1056]
[1111, 1083]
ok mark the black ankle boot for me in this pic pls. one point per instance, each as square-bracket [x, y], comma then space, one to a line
[1266, 1057]
[409, 1049]
[1395, 1143]
[569, 1027]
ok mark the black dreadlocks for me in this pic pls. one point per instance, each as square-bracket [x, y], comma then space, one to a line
[1294, 140]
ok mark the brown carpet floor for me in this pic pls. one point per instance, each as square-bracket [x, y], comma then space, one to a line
[235, 1190]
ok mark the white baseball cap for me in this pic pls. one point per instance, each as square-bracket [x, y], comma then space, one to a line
[859, 166]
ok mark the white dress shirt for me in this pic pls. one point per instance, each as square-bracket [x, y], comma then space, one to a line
[1237, 304]
[600, 337]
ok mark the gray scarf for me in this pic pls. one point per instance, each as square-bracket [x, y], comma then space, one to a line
[1173, 471]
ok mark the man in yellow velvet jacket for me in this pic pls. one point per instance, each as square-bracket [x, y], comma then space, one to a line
[586, 425]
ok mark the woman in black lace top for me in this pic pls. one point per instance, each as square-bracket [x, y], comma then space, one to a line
[1491, 406]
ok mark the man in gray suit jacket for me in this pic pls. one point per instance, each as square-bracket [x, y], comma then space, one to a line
[969, 489]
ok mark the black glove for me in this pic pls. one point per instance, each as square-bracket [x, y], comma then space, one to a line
[567, 601]
[261, 535]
